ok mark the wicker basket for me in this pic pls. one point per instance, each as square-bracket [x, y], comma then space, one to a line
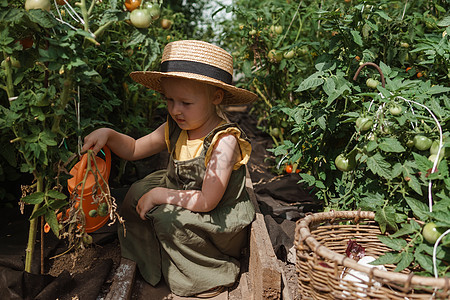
[321, 240]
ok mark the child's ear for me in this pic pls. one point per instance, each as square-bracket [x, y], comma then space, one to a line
[218, 96]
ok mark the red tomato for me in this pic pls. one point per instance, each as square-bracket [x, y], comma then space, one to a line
[288, 169]
[26, 42]
[132, 4]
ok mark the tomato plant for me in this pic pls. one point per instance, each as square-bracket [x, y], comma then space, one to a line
[52, 61]
[316, 96]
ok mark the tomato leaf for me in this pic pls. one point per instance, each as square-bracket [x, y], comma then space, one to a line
[357, 37]
[442, 216]
[391, 145]
[406, 260]
[56, 195]
[386, 217]
[394, 244]
[424, 261]
[311, 82]
[383, 15]
[387, 259]
[34, 198]
[379, 166]
[39, 212]
[422, 162]
[419, 209]
[405, 230]
[372, 202]
[51, 219]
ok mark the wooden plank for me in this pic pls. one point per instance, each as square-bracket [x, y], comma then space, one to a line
[123, 281]
[264, 272]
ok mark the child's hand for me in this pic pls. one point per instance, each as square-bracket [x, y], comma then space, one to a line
[147, 202]
[96, 140]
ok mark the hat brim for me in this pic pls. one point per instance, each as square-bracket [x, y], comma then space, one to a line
[233, 95]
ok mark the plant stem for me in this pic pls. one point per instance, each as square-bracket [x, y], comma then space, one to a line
[67, 87]
[33, 228]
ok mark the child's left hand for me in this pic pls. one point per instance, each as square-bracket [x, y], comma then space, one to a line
[147, 202]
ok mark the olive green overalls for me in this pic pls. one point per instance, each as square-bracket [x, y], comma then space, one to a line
[193, 251]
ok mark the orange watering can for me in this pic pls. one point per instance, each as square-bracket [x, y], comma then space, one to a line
[97, 219]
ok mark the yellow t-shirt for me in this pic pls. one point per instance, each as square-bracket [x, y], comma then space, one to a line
[186, 149]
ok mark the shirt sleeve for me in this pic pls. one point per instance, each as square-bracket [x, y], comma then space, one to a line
[244, 146]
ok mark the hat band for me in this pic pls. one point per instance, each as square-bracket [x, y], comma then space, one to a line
[196, 68]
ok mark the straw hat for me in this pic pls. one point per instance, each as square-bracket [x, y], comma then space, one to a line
[199, 61]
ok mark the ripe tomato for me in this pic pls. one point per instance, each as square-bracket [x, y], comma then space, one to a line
[140, 18]
[372, 83]
[431, 232]
[26, 42]
[132, 4]
[345, 163]
[288, 169]
[38, 4]
[419, 74]
[395, 109]
[166, 24]
[364, 123]
[422, 142]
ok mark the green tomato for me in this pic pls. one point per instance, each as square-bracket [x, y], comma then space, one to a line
[275, 132]
[278, 29]
[93, 213]
[345, 163]
[421, 142]
[372, 83]
[275, 56]
[153, 9]
[103, 209]
[431, 232]
[140, 18]
[395, 109]
[87, 239]
[289, 54]
[364, 123]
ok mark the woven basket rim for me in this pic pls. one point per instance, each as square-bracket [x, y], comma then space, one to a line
[303, 234]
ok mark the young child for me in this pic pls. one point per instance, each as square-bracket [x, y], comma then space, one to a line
[188, 223]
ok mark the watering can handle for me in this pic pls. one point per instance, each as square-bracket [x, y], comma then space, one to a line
[82, 168]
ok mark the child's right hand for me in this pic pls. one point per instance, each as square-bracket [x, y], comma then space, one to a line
[96, 140]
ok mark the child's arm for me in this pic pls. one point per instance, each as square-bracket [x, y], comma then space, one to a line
[125, 146]
[216, 179]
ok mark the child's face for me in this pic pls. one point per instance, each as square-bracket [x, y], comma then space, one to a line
[190, 103]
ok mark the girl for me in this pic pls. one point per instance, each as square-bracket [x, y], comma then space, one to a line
[188, 223]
